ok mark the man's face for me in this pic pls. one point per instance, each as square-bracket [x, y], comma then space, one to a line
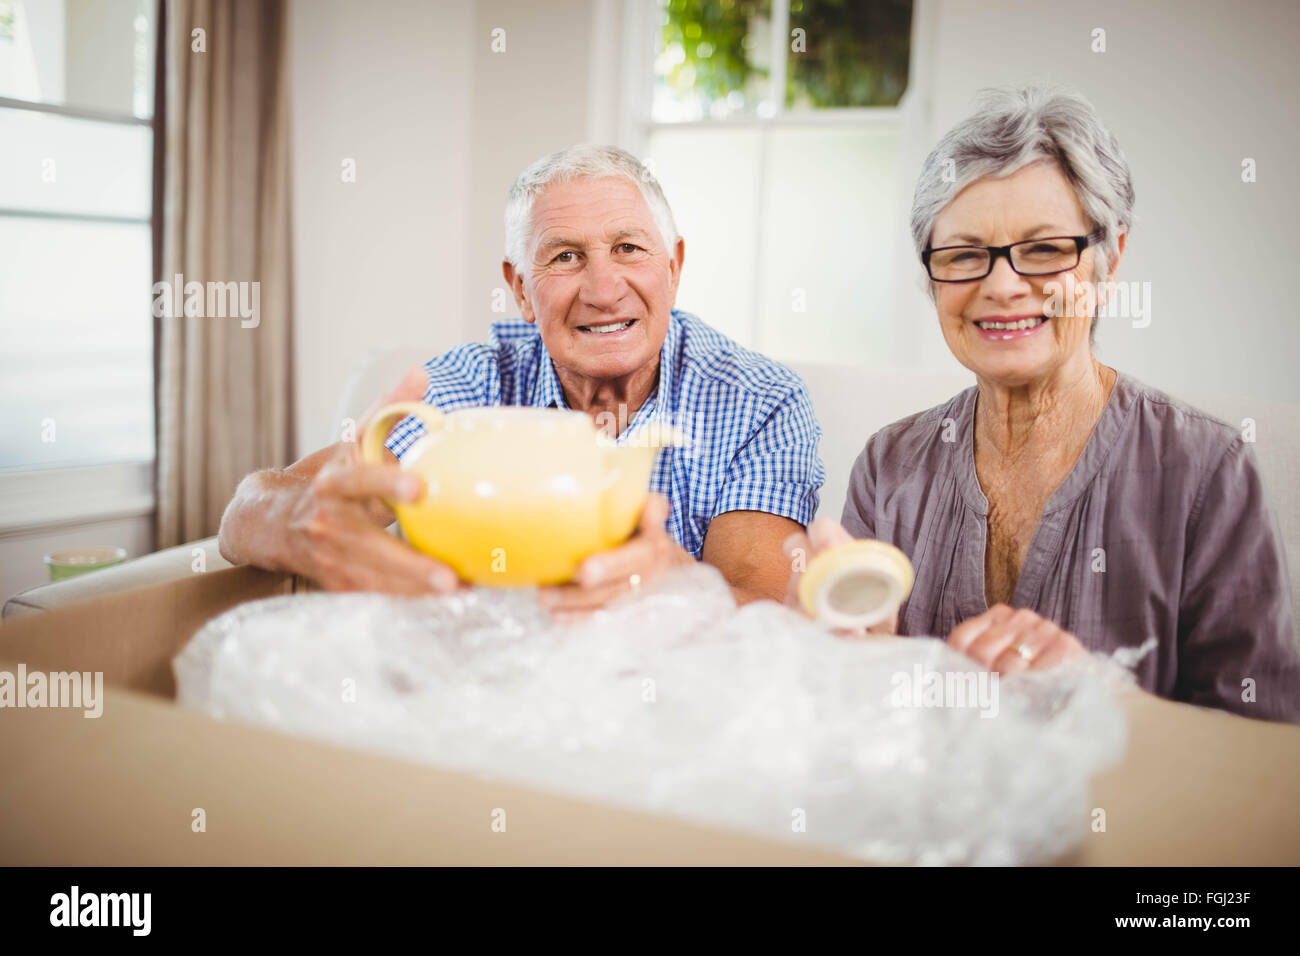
[597, 278]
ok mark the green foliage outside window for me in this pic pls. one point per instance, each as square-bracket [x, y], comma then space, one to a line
[857, 53]
[719, 52]
[841, 53]
[6, 21]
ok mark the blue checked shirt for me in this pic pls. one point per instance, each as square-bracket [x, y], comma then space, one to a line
[752, 436]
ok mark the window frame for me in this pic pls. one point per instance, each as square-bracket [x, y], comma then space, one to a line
[37, 497]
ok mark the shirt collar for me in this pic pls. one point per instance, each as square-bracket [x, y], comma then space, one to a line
[668, 362]
[658, 405]
[547, 392]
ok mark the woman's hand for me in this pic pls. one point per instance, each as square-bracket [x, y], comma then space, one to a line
[1006, 640]
[611, 574]
[801, 548]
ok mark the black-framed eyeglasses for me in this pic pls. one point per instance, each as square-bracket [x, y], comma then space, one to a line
[1033, 257]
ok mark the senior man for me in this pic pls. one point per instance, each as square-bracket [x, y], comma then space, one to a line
[594, 261]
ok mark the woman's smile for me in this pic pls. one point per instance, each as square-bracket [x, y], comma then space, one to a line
[1009, 328]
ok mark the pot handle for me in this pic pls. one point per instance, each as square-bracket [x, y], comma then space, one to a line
[372, 441]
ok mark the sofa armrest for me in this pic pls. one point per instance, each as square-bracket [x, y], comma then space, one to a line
[157, 568]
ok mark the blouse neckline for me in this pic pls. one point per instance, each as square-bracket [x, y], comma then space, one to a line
[1123, 398]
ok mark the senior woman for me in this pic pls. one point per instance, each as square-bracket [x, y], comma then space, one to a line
[1060, 505]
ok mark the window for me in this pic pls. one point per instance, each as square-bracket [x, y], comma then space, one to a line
[76, 257]
[762, 57]
[775, 129]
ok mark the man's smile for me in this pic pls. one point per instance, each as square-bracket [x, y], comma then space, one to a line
[608, 328]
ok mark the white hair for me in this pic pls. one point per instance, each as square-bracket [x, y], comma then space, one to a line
[584, 161]
[1013, 127]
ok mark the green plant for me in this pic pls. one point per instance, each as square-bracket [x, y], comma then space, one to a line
[6, 21]
[857, 53]
[715, 39]
[842, 53]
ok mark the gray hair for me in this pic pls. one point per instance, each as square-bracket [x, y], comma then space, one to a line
[1013, 127]
[584, 161]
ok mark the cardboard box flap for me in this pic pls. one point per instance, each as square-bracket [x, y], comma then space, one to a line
[133, 635]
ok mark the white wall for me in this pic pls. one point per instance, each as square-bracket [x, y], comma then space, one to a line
[379, 262]
[529, 100]
[1190, 88]
[439, 125]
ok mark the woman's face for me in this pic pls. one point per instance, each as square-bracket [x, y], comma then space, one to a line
[1035, 202]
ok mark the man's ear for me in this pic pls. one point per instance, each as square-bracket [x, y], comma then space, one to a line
[515, 279]
[675, 268]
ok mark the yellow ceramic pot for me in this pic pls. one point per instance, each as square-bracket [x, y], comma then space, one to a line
[518, 496]
[856, 584]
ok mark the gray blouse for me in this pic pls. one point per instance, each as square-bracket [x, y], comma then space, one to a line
[1160, 530]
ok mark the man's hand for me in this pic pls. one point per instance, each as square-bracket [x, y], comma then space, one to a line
[608, 575]
[1007, 641]
[334, 533]
[324, 517]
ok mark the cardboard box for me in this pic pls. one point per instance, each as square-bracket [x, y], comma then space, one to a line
[1196, 787]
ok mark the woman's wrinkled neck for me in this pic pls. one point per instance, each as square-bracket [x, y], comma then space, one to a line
[1046, 416]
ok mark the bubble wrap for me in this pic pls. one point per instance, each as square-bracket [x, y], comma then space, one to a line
[675, 701]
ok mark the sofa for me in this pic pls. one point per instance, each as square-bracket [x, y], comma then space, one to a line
[851, 403]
